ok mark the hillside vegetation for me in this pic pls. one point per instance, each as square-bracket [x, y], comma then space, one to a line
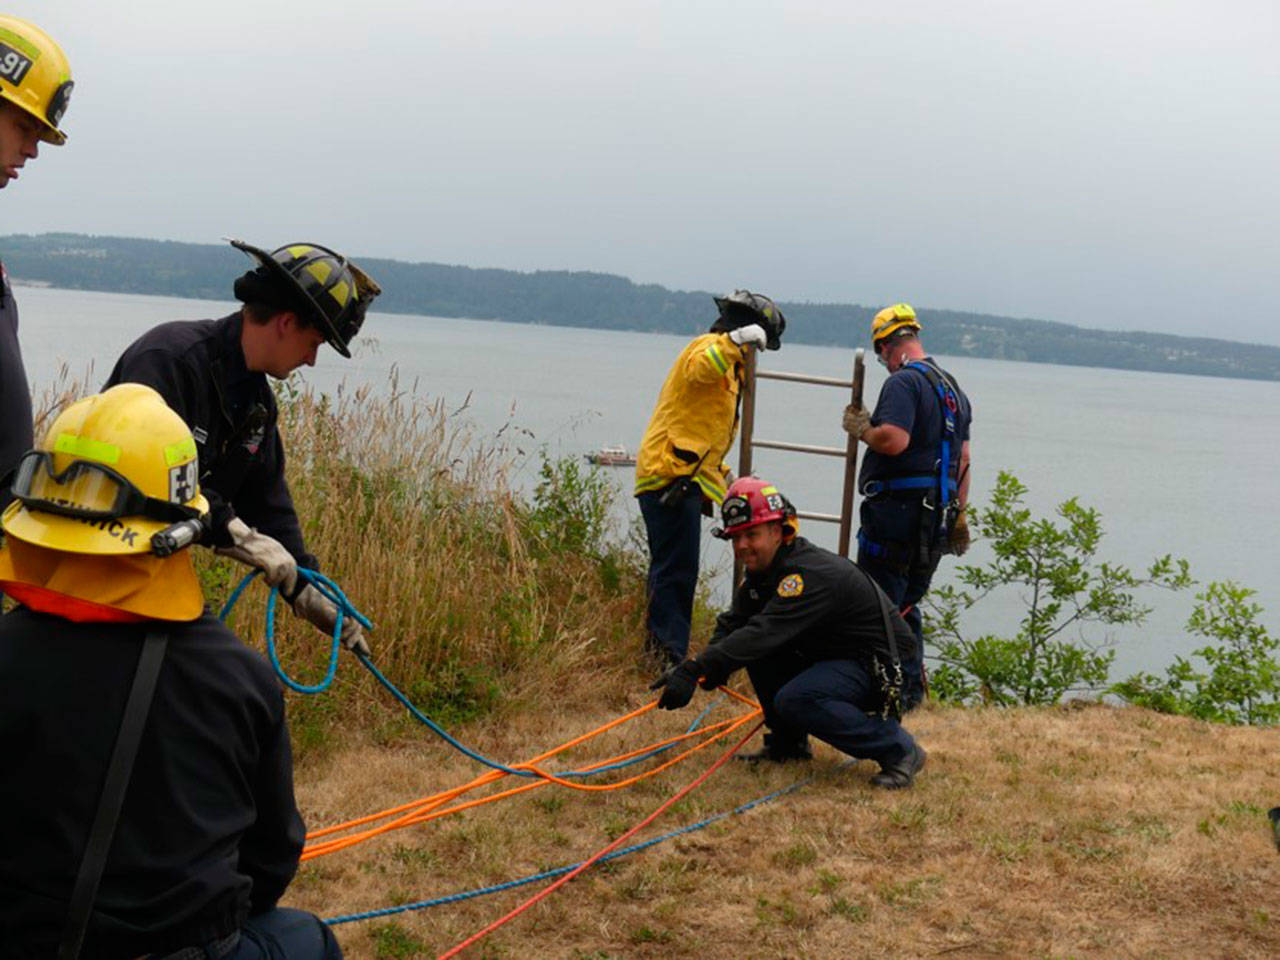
[609, 302]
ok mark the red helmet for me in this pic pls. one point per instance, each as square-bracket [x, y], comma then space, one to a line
[750, 502]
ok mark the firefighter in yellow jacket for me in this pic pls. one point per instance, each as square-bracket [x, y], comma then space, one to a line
[680, 470]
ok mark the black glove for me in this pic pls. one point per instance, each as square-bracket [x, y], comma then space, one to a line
[715, 669]
[678, 685]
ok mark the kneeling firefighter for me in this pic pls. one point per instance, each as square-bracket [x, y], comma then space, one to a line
[819, 639]
[151, 772]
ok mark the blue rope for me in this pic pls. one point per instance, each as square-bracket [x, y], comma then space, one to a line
[332, 591]
[560, 871]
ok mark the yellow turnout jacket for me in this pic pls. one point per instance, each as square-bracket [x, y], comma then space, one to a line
[695, 419]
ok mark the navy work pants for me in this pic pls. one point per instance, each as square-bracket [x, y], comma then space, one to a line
[286, 934]
[674, 534]
[829, 699]
[888, 550]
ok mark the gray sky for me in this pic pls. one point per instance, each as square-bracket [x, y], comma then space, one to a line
[1098, 162]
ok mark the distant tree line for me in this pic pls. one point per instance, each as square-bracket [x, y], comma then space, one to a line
[608, 302]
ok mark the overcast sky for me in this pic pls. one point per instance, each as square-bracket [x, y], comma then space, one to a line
[1097, 162]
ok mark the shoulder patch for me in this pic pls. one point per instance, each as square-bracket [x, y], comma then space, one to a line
[792, 585]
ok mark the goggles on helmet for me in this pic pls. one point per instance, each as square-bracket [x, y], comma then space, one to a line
[88, 490]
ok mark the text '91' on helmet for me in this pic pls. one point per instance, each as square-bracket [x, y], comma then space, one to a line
[35, 75]
[743, 308]
[328, 290]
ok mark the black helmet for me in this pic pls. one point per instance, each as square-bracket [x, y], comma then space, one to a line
[330, 292]
[743, 308]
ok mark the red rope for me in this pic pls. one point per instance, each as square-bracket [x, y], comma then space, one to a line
[542, 894]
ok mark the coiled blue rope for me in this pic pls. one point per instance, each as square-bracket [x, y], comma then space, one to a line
[345, 608]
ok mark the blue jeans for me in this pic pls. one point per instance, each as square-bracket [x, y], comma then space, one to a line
[674, 535]
[286, 934]
[828, 699]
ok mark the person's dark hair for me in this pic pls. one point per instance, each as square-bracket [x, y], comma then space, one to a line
[904, 333]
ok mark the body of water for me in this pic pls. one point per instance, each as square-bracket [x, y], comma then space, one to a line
[1175, 464]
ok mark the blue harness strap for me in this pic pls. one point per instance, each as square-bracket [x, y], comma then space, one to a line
[949, 404]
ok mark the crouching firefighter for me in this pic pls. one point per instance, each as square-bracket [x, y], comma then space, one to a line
[151, 784]
[820, 641]
[915, 476]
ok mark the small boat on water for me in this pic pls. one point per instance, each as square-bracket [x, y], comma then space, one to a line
[615, 456]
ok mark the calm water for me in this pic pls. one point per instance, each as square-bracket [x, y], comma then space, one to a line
[1175, 464]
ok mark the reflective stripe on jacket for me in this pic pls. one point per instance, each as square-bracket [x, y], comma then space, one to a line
[695, 419]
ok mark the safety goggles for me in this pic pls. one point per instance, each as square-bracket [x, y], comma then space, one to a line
[89, 491]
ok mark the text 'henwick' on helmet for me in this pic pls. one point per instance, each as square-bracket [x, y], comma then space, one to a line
[750, 502]
[743, 308]
[325, 288]
[112, 470]
[892, 319]
[35, 75]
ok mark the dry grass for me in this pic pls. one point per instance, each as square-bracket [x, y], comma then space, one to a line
[1045, 833]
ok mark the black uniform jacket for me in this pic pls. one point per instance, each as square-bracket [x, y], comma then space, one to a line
[15, 395]
[810, 601]
[198, 367]
[208, 832]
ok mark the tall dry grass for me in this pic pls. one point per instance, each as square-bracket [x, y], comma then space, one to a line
[478, 601]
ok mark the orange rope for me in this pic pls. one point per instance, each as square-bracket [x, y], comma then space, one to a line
[542, 894]
[427, 808]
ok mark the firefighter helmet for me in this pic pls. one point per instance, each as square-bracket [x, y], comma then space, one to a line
[892, 319]
[743, 308]
[330, 292]
[750, 502]
[34, 75]
[113, 469]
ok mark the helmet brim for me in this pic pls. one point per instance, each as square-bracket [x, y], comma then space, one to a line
[315, 315]
[98, 537]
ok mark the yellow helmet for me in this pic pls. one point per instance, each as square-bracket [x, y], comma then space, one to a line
[34, 75]
[891, 319]
[113, 469]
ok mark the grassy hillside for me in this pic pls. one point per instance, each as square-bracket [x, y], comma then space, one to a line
[1032, 833]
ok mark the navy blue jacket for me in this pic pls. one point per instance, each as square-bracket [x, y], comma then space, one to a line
[810, 601]
[198, 366]
[15, 395]
[208, 833]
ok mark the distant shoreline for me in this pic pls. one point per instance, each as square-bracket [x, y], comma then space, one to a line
[609, 302]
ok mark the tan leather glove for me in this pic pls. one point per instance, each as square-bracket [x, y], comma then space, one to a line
[312, 605]
[266, 553]
[959, 537]
[857, 421]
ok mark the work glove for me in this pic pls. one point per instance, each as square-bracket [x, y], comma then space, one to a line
[752, 333]
[312, 605]
[958, 539]
[715, 669]
[266, 553]
[857, 421]
[678, 685]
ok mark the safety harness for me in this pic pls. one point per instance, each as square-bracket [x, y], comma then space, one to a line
[941, 489]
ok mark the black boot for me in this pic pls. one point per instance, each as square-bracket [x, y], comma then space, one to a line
[899, 775]
[777, 750]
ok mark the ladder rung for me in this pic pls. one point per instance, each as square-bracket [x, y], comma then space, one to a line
[824, 517]
[840, 452]
[804, 378]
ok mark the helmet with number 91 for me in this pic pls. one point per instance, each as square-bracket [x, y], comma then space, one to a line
[750, 502]
[112, 470]
[35, 75]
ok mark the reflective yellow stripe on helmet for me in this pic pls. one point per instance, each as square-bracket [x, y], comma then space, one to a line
[86, 448]
[180, 452]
